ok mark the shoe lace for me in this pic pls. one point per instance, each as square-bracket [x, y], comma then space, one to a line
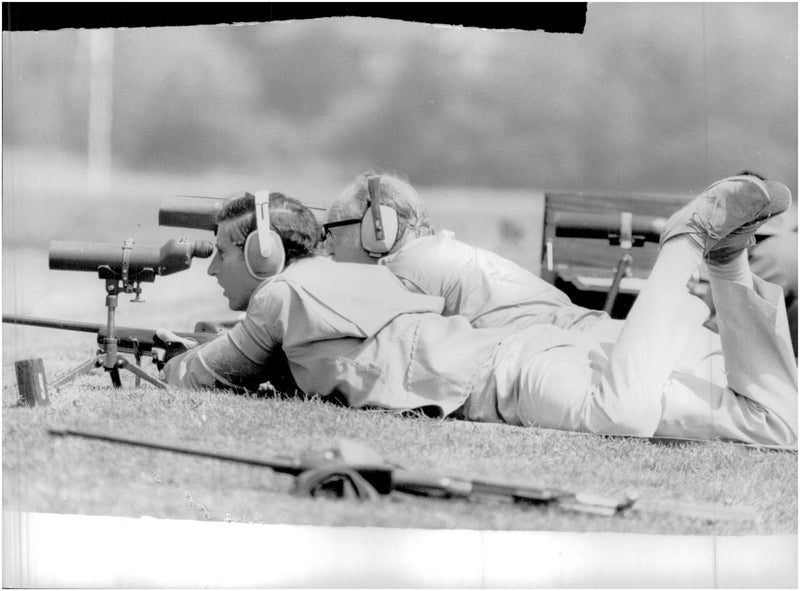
[710, 232]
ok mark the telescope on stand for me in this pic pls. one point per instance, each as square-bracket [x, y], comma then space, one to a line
[123, 268]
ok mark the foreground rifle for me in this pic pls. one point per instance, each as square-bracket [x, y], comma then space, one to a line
[353, 470]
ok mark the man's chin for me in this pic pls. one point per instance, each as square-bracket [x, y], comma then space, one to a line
[231, 304]
[236, 306]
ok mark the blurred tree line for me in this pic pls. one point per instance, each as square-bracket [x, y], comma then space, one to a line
[650, 93]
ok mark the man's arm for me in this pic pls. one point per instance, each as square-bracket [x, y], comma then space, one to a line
[216, 364]
[242, 357]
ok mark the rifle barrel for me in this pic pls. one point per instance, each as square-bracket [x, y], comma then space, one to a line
[52, 323]
[278, 464]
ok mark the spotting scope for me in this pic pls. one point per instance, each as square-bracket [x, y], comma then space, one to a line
[132, 261]
[185, 211]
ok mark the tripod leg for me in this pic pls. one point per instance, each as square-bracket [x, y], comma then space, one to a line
[81, 369]
[115, 379]
[622, 270]
[140, 373]
[138, 358]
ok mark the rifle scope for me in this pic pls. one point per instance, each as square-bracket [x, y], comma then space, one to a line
[137, 262]
[185, 211]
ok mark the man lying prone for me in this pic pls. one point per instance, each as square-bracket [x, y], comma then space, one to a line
[355, 331]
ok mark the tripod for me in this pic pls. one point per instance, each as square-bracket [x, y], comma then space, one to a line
[108, 357]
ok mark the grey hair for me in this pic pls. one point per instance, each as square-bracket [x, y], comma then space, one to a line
[395, 192]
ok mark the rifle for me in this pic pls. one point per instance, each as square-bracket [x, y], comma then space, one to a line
[139, 342]
[133, 341]
[352, 470]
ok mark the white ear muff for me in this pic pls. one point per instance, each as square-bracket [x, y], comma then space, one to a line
[264, 255]
[379, 225]
[375, 246]
[259, 266]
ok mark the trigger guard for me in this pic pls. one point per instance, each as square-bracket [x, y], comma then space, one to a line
[337, 481]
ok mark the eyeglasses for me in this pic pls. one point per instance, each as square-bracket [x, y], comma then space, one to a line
[326, 228]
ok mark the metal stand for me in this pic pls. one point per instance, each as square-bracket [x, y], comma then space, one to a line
[108, 356]
[623, 270]
[626, 241]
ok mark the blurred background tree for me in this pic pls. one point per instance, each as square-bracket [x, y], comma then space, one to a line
[651, 97]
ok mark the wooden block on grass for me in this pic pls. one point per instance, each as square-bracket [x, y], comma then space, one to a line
[32, 382]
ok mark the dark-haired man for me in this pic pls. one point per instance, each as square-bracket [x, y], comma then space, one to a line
[391, 351]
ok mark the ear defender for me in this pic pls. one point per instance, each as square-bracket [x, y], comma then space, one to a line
[264, 255]
[379, 225]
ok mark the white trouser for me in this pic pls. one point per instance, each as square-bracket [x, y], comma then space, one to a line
[663, 377]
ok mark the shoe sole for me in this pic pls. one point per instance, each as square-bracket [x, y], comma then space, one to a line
[780, 198]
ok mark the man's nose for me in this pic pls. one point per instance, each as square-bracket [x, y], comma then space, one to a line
[212, 268]
[327, 245]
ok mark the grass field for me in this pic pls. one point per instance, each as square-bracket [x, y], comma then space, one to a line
[76, 476]
[45, 474]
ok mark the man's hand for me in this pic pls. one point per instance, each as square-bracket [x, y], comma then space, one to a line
[167, 345]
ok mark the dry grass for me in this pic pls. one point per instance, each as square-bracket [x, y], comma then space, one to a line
[47, 474]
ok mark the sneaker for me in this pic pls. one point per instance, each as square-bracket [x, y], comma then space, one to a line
[719, 210]
[780, 198]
